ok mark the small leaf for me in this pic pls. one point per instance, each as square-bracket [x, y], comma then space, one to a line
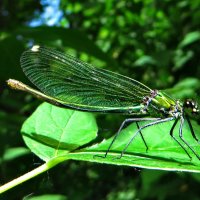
[181, 58]
[190, 38]
[144, 60]
[53, 131]
[13, 153]
[48, 197]
[185, 88]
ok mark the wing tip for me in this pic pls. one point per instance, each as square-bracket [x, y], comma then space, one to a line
[35, 48]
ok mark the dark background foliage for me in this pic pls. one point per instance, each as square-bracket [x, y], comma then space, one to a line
[155, 42]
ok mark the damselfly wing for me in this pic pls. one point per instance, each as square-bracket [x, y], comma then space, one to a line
[71, 83]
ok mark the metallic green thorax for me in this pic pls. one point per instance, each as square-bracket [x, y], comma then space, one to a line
[164, 100]
[165, 105]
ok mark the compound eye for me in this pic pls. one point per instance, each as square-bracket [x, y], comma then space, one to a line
[188, 103]
[191, 107]
[195, 110]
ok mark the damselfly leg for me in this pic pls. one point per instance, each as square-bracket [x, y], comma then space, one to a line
[124, 123]
[191, 129]
[172, 135]
[158, 121]
[138, 127]
[181, 137]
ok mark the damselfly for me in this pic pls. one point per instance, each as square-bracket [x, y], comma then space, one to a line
[68, 82]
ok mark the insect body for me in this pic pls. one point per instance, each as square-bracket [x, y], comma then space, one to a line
[68, 82]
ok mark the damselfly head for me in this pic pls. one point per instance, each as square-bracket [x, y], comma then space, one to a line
[191, 108]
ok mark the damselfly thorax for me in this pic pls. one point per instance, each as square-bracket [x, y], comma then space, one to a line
[161, 105]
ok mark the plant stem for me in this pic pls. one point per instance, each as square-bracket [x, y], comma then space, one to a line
[48, 165]
[24, 178]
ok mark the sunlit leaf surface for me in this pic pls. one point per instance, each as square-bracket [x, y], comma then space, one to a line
[53, 132]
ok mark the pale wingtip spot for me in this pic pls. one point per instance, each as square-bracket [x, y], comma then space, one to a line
[35, 48]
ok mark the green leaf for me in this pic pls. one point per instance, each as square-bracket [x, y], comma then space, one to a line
[190, 38]
[53, 131]
[163, 153]
[54, 135]
[181, 58]
[10, 61]
[145, 60]
[185, 88]
[48, 197]
[13, 153]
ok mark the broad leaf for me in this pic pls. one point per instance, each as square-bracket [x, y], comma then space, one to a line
[163, 151]
[53, 131]
[55, 134]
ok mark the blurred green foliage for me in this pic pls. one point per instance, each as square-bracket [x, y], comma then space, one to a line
[155, 42]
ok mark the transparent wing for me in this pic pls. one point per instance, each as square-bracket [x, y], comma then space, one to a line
[79, 85]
